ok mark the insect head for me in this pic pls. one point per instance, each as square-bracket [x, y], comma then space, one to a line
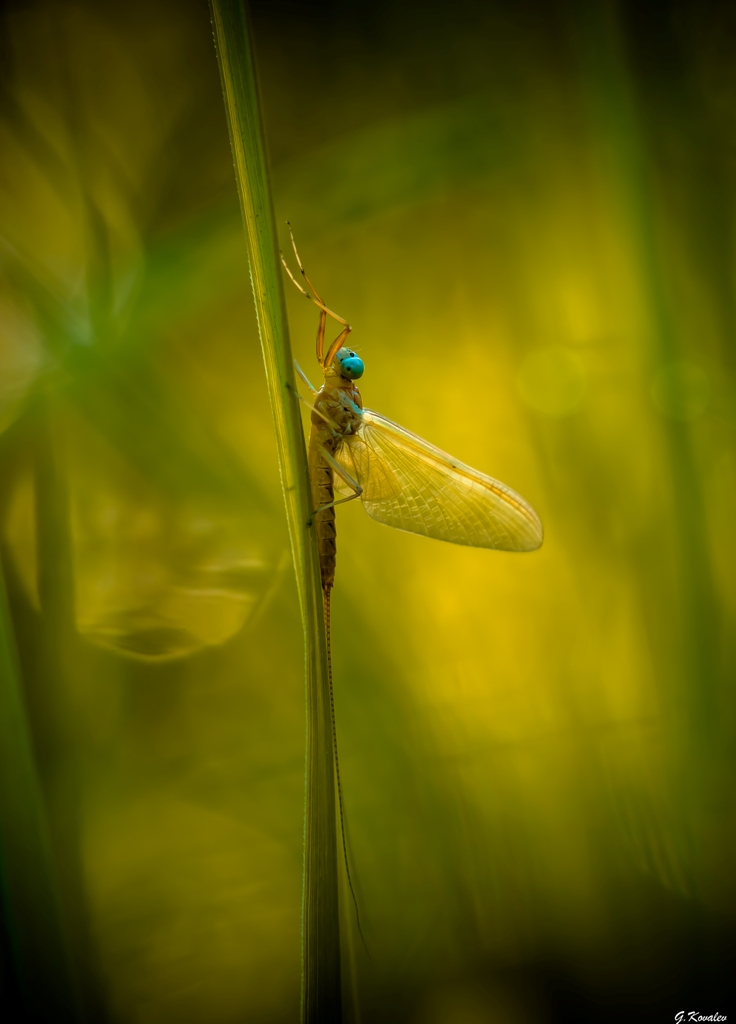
[348, 364]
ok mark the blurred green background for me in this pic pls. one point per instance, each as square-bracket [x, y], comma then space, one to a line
[526, 211]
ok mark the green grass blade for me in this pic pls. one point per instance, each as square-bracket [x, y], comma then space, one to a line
[30, 896]
[321, 1001]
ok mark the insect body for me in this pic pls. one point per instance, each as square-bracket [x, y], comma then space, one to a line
[335, 417]
[402, 480]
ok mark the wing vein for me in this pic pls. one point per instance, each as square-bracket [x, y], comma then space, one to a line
[411, 485]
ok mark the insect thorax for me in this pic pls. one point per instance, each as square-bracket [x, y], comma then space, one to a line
[338, 402]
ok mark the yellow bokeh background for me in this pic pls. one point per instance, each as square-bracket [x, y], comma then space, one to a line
[526, 215]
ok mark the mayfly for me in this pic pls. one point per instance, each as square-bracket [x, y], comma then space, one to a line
[402, 480]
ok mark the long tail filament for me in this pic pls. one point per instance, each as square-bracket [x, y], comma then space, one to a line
[326, 593]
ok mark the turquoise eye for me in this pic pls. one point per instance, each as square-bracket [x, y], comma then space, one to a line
[351, 367]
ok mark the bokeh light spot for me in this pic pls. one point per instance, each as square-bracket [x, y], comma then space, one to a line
[552, 381]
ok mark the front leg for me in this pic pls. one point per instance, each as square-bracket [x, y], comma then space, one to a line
[313, 408]
[304, 377]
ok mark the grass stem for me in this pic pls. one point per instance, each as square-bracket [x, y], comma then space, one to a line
[321, 998]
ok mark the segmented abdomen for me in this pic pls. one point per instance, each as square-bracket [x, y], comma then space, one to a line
[323, 492]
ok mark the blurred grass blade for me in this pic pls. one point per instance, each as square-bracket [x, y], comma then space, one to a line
[30, 898]
[618, 118]
[321, 1000]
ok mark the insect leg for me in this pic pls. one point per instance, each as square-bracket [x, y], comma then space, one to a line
[344, 475]
[302, 270]
[304, 377]
[305, 293]
[337, 345]
[323, 312]
[332, 504]
[313, 408]
[321, 337]
[315, 298]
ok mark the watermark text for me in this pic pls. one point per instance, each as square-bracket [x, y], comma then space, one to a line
[683, 1017]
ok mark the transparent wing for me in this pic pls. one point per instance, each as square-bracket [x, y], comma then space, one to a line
[411, 485]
